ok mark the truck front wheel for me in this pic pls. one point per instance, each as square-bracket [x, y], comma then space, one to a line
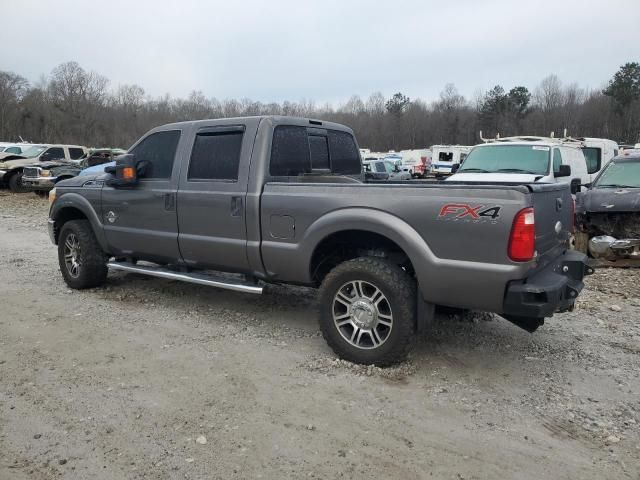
[82, 262]
[367, 311]
[15, 183]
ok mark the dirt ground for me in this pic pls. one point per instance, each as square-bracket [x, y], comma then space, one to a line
[154, 379]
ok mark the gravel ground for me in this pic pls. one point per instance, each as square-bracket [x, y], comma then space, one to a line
[148, 378]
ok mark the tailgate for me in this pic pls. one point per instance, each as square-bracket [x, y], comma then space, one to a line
[553, 209]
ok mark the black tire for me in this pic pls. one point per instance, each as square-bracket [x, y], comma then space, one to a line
[15, 183]
[88, 267]
[399, 290]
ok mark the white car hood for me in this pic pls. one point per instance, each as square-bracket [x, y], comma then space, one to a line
[494, 177]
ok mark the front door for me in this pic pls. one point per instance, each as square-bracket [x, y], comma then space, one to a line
[141, 221]
[212, 197]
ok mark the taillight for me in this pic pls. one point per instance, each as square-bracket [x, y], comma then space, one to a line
[522, 242]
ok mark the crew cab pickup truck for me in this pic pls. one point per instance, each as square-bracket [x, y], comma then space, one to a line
[283, 200]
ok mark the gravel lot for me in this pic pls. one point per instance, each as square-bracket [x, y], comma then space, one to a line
[148, 378]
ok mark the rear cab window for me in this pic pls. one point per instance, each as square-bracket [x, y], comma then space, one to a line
[298, 150]
[216, 155]
[75, 153]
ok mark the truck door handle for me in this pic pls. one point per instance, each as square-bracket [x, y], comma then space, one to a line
[236, 206]
[170, 202]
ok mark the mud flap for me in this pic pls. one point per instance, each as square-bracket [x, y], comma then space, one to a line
[530, 324]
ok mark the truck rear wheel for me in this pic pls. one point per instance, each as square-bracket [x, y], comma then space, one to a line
[15, 183]
[82, 262]
[367, 311]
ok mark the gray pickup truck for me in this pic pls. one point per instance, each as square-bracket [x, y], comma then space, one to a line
[284, 200]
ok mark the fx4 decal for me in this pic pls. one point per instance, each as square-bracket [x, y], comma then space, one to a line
[463, 211]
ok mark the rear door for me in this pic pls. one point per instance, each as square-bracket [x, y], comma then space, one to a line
[141, 221]
[212, 196]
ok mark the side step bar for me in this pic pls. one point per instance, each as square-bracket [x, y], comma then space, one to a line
[199, 278]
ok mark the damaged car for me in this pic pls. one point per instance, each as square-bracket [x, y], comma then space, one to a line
[608, 212]
[42, 177]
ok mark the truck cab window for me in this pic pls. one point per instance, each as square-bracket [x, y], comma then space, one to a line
[76, 153]
[289, 151]
[345, 156]
[215, 156]
[557, 160]
[54, 153]
[159, 151]
[593, 156]
[319, 150]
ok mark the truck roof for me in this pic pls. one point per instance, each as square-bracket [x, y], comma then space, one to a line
[275, 119]
[531, 141]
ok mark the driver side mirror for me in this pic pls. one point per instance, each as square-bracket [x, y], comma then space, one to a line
[455, 167]
[126, 171]
[563, 171]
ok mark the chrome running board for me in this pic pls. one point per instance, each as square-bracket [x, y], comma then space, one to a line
[199, 278]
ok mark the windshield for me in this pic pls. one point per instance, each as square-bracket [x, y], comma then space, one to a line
[391, 167]
[623, 174]
[532, 159]
[33, 151]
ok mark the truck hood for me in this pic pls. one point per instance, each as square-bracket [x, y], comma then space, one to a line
[609, 200]
[21, 162]
[77, 181]
[494, 177]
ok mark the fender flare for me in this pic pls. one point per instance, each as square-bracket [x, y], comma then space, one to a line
[374, 221]
[78, 202]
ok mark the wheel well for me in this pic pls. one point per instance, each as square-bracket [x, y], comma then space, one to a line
[349, 244]
[65, 215]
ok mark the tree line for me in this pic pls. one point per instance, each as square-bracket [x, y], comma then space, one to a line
[73, 105]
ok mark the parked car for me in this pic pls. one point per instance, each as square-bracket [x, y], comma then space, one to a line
[42, 177]
[444, 157]
[608, 212]
[386, 166]
[524, 160]
[283, 200]
[11, 167]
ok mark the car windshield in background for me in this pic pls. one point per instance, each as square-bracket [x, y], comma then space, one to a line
[33, 152]
[391, 166]
[533, 159]
[619, 175]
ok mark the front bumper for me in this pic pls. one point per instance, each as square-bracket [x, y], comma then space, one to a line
[2, 174]
[39, 183]
[550, 290]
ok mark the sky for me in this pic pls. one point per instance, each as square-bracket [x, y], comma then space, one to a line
[323, 51]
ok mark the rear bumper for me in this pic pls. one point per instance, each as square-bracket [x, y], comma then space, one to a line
[550, 290]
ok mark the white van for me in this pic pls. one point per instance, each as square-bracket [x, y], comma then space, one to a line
[525, 160]
[446, 156]
[598, 152]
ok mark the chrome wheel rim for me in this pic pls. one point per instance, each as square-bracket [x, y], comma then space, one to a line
[72, 255]
[362, 314]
